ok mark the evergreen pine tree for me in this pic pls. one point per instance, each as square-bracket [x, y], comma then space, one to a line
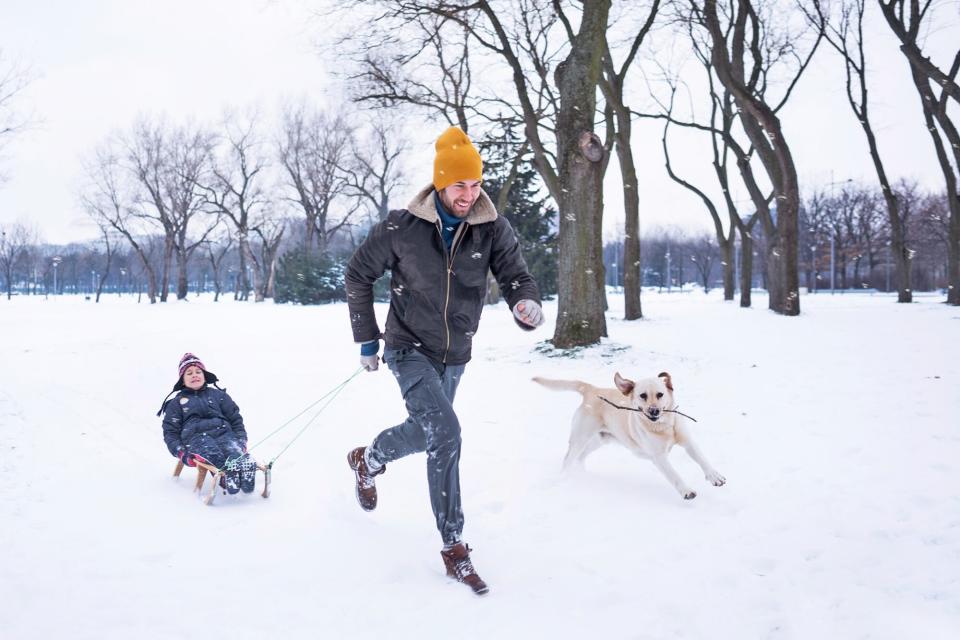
[528, 210]
[309, 278]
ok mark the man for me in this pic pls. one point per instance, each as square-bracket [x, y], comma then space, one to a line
[438, 250]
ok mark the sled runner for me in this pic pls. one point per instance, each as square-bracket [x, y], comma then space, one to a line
[216, 474]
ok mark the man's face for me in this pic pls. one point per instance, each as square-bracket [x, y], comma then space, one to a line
[193, 377]
[459, 197]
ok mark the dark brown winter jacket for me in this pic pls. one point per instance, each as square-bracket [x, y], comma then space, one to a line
[436, 295]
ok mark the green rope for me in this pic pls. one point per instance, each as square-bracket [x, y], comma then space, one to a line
[329, 396]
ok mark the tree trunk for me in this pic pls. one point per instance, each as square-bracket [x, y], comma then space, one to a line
[580, 156]
[746, 269]
[165, 275]
[631, 210]
[953, 254]
[182, 260]
[763, 127]
[729, 267]
[240, 292]
[257, 275]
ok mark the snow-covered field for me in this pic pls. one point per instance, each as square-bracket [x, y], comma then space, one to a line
[838, 433]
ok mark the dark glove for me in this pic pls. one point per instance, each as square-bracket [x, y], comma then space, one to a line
[186, 457]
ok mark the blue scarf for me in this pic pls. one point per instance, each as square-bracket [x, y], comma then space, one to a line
[448, 221]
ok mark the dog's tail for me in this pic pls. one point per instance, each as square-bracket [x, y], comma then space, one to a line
[561, 385]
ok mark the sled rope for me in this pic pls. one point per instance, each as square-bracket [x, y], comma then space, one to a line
[329, 396]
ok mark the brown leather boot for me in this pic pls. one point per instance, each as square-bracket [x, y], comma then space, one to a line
[459, 567]
[366, 487]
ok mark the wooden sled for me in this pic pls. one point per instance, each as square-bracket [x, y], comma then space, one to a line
[215, 474]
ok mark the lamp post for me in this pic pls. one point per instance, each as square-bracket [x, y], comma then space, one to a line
[833, 268]
[123, 272]
[833, 255]
[887, 288]
[56, 263]
[813, 265]
[669, 279]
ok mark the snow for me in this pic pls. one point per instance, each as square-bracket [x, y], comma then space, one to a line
[837, 432]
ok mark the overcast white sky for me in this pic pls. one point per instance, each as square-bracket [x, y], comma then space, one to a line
[99, 64]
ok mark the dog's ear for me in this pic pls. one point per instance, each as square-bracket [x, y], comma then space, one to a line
[666, 379]
[625, 386]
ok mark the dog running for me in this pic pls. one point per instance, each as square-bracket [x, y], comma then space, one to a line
[641, 416]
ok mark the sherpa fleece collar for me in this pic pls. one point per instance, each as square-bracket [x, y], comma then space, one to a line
[425, 208]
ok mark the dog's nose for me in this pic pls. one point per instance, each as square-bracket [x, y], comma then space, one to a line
[654, 412]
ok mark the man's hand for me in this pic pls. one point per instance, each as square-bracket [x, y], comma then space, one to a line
[370, 363]
[529, 313]
[368, 355]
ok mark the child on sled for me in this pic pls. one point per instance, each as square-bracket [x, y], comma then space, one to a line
[203, 423]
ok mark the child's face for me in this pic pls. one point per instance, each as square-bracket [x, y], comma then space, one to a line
[193, 377]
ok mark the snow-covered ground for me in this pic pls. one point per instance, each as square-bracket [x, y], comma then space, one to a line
[837, 431]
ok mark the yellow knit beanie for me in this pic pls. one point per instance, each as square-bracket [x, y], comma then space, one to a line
[457, 159]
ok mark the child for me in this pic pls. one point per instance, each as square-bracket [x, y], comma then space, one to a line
[204, 423]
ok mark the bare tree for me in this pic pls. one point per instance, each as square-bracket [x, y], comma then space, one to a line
[612, 83]
[373, 171]
[842, 27]
[723, 143]
[235, 191]
[270, 233]
[109, 249]
[217, 250]
[169, 164]
[746, 46]
[426, 65]
[109, 201]
[937, 89]
[14, 78]
[721, 139]
[703, 254]
[14, 243]
[312, 148]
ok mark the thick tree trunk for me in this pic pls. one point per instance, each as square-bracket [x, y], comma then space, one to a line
[308, 229]
[580, 156]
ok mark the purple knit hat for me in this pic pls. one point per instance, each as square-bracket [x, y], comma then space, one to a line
[190, 360]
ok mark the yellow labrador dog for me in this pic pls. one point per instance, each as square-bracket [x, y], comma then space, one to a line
[639, 415]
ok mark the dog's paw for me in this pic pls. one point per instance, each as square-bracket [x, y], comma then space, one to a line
[716, 479]
[690, 494]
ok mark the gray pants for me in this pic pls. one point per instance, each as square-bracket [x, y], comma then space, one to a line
[428, 390]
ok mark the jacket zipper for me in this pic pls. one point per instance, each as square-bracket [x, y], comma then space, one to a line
[446, 303]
